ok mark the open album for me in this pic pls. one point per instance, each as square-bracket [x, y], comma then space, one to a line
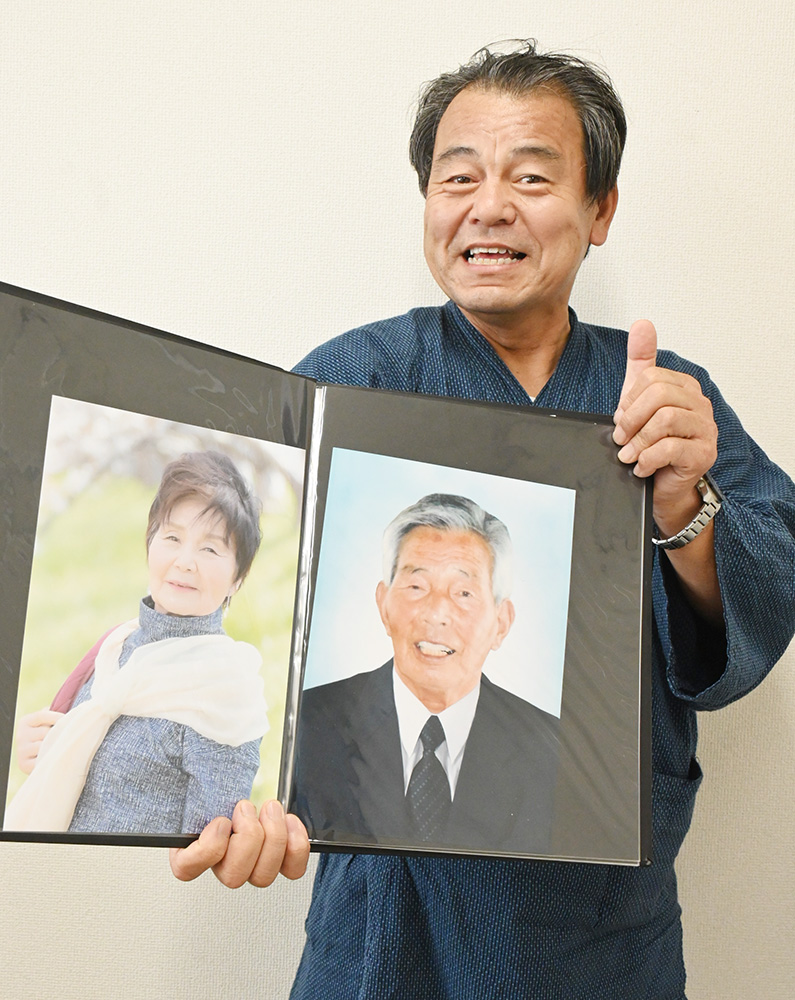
[421, 623]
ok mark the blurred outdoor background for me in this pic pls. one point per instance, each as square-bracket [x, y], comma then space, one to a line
[89, 572]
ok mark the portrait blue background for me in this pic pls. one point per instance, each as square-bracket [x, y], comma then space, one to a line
[365, 492]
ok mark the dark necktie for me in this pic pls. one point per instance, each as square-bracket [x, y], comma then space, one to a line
[428, 793]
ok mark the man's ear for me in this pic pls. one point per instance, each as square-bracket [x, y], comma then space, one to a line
[606, 209]
[505, 617]
[380, 599]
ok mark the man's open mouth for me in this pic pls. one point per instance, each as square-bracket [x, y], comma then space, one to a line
[434, 648]
[492, 255]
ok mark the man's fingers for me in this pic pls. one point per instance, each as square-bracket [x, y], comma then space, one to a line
[665, 407]
[297, 855]
[187, 863]
[244, 847]
[272, 855]
[641, 354]
[669, 405]
[249, 848]
[676, 454]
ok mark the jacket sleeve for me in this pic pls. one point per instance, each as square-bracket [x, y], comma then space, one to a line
[755, 552]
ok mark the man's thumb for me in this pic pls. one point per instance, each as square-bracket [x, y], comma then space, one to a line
[641, 352]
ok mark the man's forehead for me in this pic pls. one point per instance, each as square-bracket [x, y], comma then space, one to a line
[478, 113]
[426, 544]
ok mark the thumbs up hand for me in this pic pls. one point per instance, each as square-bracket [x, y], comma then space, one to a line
[641, 356]
[664, 424]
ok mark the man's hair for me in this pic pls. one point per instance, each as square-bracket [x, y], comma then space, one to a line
[453, 513]
[214, 480]
[517, 74]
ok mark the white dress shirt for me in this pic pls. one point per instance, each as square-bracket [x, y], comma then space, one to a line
[456, 722]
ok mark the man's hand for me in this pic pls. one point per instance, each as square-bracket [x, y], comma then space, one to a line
[664, 424]
[246, 848]
[31, 730]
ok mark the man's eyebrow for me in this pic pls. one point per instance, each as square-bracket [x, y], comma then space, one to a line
[454, 152]
[544, 152]
[409, 568]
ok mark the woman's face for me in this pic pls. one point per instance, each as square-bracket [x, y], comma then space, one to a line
[192, 569]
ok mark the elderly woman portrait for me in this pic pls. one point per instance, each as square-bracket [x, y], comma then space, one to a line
[158, 728]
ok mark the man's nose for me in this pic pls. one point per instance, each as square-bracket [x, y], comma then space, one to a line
[493, 204]
[436, 608]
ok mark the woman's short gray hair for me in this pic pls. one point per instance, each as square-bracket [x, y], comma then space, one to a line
[453, 513]
[517, 74]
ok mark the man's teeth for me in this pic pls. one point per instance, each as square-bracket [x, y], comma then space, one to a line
[434, 648]
[493, 255]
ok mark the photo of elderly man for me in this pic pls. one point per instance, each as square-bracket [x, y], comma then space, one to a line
[425, 750]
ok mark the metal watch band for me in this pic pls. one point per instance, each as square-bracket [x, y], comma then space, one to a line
[713, 498]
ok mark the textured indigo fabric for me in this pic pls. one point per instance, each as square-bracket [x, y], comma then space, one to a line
[156, 776]
[397, 928]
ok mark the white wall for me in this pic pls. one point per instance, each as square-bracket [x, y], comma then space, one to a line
[235, 171]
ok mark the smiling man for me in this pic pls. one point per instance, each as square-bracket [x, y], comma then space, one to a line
[425, 749]
[508, 220]
[517, 156]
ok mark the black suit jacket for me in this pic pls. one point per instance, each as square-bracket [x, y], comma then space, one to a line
[349, 772]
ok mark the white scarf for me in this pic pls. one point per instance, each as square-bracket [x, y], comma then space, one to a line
[208, 682]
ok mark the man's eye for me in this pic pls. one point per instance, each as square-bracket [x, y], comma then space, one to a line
[532, 179]
[461, 179]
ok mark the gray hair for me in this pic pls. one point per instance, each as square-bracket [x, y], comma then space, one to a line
[453, 513]
[518, 74]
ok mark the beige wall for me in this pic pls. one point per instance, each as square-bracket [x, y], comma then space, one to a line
[235, 171]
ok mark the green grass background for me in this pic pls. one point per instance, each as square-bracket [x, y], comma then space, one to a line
[89, 573]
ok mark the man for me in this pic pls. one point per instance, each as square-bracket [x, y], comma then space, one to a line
[425, 750]
[518, 155]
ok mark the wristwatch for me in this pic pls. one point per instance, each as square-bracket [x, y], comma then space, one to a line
[713, 498]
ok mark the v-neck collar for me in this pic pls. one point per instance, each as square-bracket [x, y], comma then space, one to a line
[560, 390]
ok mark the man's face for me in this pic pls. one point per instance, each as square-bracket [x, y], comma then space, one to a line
[441, 614]
[507, 220]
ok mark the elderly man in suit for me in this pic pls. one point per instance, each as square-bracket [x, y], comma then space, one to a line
[425, 750]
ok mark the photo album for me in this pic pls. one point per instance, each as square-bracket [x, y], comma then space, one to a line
[422, 623]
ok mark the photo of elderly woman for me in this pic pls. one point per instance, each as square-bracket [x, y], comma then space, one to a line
[158, 728]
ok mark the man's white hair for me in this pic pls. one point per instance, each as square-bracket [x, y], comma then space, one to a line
[453, 513]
